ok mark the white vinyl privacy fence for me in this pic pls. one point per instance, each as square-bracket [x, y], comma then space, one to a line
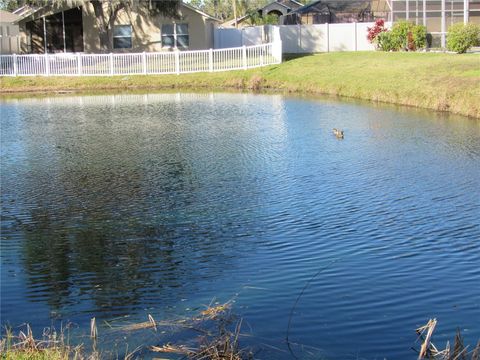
[177, 62]
[252, 35]
[326, 37]
[301, 38]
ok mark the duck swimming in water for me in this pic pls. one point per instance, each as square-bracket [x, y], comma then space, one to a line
[338, 133]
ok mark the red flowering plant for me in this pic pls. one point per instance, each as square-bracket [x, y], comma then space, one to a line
[374, 31]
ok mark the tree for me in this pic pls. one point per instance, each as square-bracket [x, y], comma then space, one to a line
[9, 5]
[106, 11]
[223, 9]
[255, 19]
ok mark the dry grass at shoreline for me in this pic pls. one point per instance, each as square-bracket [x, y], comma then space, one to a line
[219, 340]
[442, 82]
[52, 346]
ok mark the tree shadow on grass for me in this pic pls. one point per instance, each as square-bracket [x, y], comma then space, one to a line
[292, 56]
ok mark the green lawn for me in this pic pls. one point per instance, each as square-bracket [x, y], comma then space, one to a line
[444, 82]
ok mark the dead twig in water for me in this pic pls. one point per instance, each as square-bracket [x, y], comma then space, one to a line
[93, 328]
[213, 312]
[429, 351]
[152, 321]
[429, 327]
[169, 348]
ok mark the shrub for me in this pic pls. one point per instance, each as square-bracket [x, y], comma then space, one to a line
[400, 31]
[255, 19]
[462, 37]
[403, 36]
[386, 42]
[374, 31]
[419, 33]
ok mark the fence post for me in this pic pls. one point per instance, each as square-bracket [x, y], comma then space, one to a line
[15, 67]
[79, 64]
[210, 60]
[244, 56]
[277, 45]
[328, 37]
[177, 61]
[465, 13]
[47, 65]
[355, 30]
[144, 63]
[299, 37]
[443, 26]
[111, 64]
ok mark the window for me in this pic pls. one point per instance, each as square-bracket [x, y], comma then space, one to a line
[175, 35]
[122, 36]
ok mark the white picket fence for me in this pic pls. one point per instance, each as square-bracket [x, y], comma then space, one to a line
[176, 62]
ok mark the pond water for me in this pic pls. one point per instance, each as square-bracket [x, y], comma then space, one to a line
[126, 205]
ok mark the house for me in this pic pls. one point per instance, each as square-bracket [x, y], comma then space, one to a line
[277, 7]
[8, 33]
[338, 11]
[280, 7]
[135, 28]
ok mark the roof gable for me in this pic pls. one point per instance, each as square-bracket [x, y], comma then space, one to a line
[288, 4]
[334, 6]
[8, 17]
[188, 6]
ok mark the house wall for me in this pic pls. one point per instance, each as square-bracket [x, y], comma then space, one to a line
[36, 43]
[9, 41]
[146, 30]
[8, 33]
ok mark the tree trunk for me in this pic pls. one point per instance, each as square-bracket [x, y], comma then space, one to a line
[102, 24]
[105, 21]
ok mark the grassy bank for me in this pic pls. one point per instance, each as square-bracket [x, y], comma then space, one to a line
[443, 82]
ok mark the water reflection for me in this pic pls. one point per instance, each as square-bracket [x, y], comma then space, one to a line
[121, 206]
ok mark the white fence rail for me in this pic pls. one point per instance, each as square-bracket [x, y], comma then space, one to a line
[176, 62]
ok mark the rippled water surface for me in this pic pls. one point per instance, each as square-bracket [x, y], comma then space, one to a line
[156, 204]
